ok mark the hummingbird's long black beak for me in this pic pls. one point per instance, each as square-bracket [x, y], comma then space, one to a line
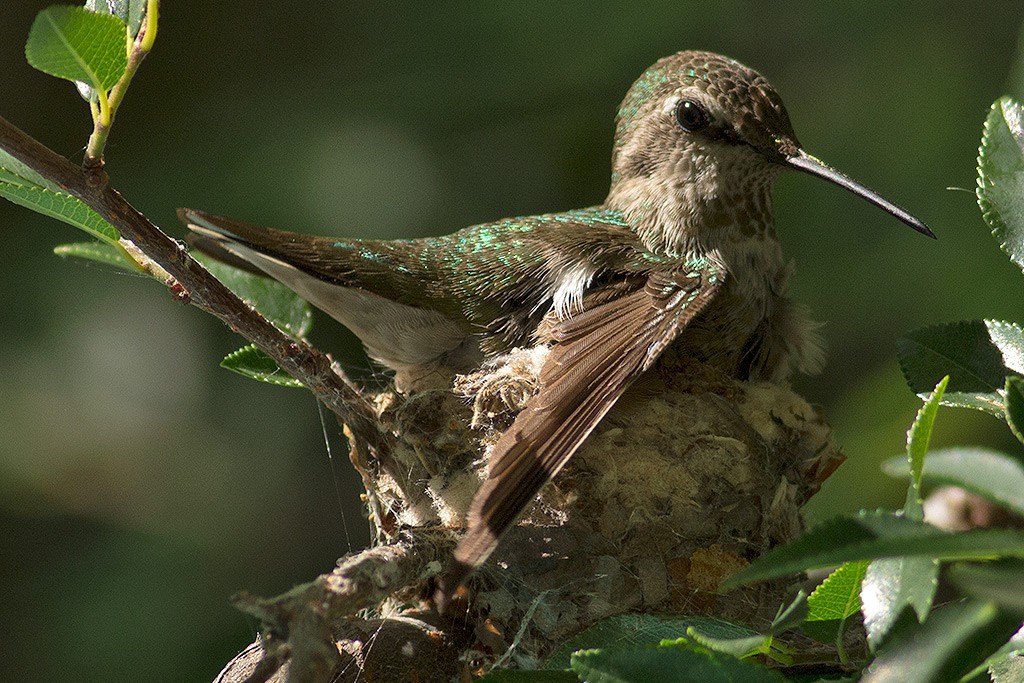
[803, 161]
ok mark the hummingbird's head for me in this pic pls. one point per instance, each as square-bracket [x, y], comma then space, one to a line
[699, 140]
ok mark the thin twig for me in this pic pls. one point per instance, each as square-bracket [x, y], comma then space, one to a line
[101, 127]
[307, 364]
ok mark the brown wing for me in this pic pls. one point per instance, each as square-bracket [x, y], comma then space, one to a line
[595, 356]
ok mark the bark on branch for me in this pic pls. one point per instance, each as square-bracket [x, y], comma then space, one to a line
[195, 284]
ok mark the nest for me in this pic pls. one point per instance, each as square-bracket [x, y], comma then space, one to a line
[691, 476]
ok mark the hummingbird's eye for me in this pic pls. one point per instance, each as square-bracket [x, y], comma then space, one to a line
[691, 115]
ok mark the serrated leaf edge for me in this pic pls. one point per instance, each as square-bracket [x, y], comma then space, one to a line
[1006, 106]
[855, 595]
[45, 14]
[282, 380]
[918, 437]
[1014, 384]
[46, 211]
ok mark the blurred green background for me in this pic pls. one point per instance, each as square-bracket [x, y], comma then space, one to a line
[140, 485]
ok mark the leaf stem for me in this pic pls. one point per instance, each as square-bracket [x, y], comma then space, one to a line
[149, 33]
[101, 125]
[105, 113]
[844, 658]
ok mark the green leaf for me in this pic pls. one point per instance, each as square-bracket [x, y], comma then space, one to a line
[274, 301]
[1009, 339]
[876, 535]
[892, 586]
[1008, 670]
[992, 475]
[736, 647]
[136, 13]
[711, 628]
[255, 364]
[12, 178]
[1001, 664]
[97, 251]
[61, 206]
[637, 630]
[967, 352]
[78, 45]
[729, 638]
[1000, 581]
[17, 173]
[1015, 406]
[954, 640]
[1001, 177]
[541, 676]
[833, 602]
[918, 437]
[128, 11]
[838, 596]
[25, 187]
[666, 664]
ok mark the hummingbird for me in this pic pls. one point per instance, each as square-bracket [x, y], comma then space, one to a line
[681, 255]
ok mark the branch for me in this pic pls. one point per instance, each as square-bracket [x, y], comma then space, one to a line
[307, 364]
[301, 625]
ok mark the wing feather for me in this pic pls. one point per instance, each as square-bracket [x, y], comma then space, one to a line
[595, 356]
